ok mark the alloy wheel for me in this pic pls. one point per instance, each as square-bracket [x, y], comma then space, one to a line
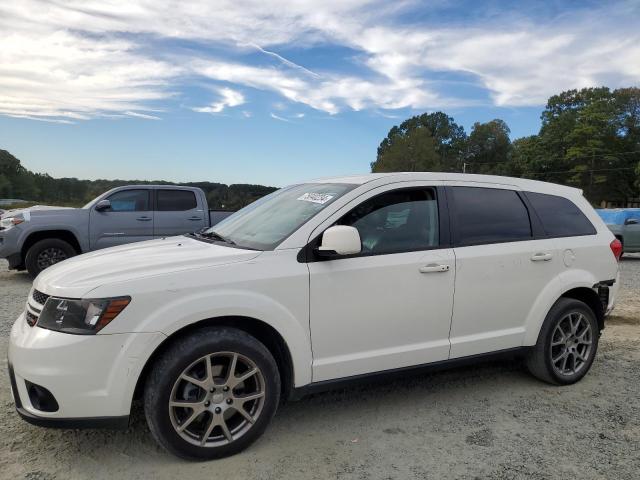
[217, 399]
[571, 344]
[50, 256]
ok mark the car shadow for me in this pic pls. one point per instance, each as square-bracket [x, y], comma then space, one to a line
[319, 414]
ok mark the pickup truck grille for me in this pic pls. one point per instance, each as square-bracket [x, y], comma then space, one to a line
[40, 297]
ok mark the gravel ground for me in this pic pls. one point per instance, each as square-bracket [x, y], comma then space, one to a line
[489, 421]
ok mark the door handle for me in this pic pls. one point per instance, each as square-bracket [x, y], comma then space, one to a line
[143, 219]
[434, 268]
[541, 257]
[195, 218]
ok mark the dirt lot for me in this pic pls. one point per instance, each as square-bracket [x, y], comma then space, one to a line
[489, 421]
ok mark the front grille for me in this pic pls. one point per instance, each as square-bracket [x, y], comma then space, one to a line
[31, 319]
[40, 297]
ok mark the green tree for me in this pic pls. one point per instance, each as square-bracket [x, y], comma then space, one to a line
[425, 142]
[489, 148]
[591, 137]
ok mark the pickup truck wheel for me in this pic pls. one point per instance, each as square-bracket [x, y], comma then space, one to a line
[45, 253]
[211, 394]
[567, 343]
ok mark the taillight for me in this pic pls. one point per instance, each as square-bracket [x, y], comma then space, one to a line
[616, 248]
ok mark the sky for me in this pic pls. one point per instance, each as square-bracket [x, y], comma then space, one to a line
[274, 92]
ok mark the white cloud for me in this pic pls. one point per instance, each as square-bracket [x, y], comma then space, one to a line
[79, 59]
[142, 115]
[228, 98]
[278, 117]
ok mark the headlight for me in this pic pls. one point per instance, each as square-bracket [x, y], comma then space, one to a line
[7, 223]
[81, 317]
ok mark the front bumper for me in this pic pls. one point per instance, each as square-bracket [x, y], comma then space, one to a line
[91, 377]
[9, 248]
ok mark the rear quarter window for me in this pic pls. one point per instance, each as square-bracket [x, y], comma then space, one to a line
[560, 217]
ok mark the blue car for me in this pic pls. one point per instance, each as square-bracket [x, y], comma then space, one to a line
[625, 225]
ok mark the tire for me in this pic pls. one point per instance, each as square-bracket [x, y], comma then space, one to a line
[579, 326]
[213, 406]
[45, 253]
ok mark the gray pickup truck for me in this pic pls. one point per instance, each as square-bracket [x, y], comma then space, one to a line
[37, 237]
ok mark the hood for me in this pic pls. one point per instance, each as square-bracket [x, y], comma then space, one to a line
[79, 275]
[16, 211]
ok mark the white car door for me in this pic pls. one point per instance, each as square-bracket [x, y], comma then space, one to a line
[500, 268]
[390, 306]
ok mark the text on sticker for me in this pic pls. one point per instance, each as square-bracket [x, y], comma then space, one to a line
[316, 197]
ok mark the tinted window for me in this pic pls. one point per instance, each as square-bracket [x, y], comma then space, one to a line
[559, 216]
[403, 220]
[175, 200]
[489, 215]
[130, 201]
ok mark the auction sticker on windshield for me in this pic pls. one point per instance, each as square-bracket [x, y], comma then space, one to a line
[320, 198]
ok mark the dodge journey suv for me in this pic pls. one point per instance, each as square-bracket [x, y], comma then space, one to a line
[317, 283]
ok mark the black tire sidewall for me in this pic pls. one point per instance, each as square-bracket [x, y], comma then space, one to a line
[31, 258]
[173, 362]
[557, 313]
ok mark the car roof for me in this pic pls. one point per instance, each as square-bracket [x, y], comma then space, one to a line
[521, 183]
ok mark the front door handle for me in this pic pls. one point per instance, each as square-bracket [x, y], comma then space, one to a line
[143, 219]
[541, 257]
[434, 268]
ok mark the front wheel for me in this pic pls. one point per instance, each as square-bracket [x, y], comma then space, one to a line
[211, 394]
[567, 343]
[45, 253]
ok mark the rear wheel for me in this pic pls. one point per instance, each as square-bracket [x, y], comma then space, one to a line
[567, 343]
[47, 252]
[212, 394]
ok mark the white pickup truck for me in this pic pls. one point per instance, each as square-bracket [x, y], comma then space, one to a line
[38, 237]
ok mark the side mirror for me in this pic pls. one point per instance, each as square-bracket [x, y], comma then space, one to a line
[340, 240]
[103, 205]
[631, 221]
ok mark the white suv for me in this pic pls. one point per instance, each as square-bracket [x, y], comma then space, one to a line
[314, 284]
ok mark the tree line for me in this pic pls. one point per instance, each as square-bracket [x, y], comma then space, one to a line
[18, 182]
[589, 139]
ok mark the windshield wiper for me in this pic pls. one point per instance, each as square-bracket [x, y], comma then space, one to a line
[216, 236]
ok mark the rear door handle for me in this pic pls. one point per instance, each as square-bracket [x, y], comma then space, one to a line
[541, 257]
[143, 219]
[434, 268]
[195, 218]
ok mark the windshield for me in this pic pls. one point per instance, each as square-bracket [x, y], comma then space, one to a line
[91, 202]
[264, 224]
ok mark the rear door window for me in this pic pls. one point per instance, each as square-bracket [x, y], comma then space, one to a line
[175, 200]
[560, 217]
[488, 215]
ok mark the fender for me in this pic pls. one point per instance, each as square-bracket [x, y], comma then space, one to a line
[80, 239]
[185, 309]
[565, 281]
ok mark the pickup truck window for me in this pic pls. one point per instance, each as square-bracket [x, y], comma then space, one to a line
[130, 201]
[175, 200]
[264, 224]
